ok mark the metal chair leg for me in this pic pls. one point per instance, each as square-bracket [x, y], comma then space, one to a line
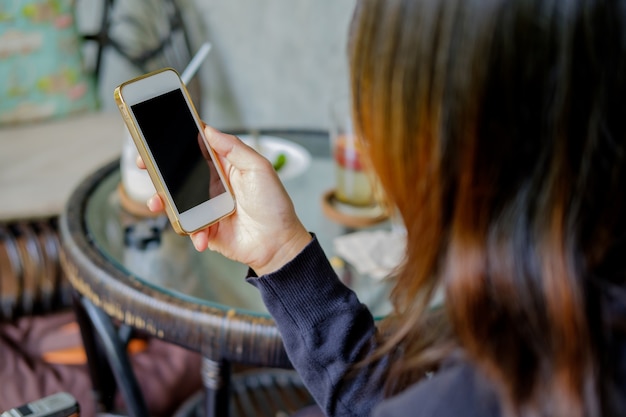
[116, 357]
[216, 380]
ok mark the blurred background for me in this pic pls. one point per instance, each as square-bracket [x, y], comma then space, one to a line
[273, 63]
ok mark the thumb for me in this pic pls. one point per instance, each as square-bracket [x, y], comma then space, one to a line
[231, 148]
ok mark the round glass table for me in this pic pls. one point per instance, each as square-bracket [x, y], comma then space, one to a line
[137, 272]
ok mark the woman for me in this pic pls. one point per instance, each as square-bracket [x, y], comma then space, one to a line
[496, 127]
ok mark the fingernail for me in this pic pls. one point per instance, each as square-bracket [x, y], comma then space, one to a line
[193, 240]
[150, 203]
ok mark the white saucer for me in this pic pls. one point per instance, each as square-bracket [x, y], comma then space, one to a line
[298, 158]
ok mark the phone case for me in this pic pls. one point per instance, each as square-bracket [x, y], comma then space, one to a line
[143, 151]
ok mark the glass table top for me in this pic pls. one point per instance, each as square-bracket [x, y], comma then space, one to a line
[147, 249]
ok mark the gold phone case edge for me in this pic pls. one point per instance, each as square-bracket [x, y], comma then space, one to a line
[143, 152]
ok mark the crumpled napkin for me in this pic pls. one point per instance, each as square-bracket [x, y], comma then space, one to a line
[372, 252]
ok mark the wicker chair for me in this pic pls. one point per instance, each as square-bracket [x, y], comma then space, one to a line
[31, 280]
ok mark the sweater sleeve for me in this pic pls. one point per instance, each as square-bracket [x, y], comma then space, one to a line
[325, 330]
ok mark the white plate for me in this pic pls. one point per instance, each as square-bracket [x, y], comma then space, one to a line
[298, 158]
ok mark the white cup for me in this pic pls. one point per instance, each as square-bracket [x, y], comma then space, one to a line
[136, 182]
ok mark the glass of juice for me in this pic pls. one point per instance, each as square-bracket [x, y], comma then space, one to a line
[353, 181]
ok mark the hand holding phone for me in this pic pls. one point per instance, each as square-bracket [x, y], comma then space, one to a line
[265, 232]
[169, 136]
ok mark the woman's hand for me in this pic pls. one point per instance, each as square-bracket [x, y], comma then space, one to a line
[264, 232]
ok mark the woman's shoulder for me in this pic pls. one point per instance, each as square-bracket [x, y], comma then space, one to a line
[457, 389]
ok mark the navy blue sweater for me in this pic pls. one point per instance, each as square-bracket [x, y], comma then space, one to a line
[326, 330]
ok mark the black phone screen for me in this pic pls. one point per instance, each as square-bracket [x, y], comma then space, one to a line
[178, 149]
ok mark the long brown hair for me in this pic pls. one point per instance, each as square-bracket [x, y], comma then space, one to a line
[497, 128]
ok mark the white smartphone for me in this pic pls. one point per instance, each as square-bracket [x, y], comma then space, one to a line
[169, 136]
[61, 404]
